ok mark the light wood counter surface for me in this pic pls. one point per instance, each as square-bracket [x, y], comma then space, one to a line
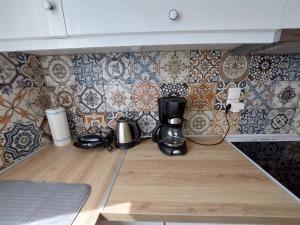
[71, 165]
[210, 184]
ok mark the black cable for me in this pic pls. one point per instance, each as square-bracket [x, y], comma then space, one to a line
[228, 107]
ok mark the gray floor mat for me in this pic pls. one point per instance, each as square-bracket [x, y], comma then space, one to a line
[40, 203]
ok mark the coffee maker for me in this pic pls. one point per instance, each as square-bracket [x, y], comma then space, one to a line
[168, 134]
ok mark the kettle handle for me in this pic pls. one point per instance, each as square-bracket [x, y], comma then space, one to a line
[136, 129]
[155, 132]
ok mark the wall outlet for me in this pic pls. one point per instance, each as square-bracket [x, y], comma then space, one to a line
[234, 94]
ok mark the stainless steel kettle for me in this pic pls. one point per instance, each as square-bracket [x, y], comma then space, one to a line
[127, 133]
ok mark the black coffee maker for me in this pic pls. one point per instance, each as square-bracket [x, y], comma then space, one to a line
[168, 134]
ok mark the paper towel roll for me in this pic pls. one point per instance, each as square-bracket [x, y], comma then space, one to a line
[59, 126]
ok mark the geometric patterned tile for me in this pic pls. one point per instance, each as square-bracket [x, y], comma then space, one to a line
[171, 89]
[91, 98]
[289, 67]
[34, 71]
[279, 121]
[147, 121]
[8, 73]
[145, 66]
[94, 121]
[58, 70]
[87, 69]
[64, 96]
[174, 67]
[144, 96]
[204, 66]
[222, 90]
[76, 123]
[219, 123]
[286, 94]
[296, 122]
[253, 120]
[264, 68]
[234, 68]
[201, 96]
[259, 95]
[116, 68]
[118, 97]
[197, 123]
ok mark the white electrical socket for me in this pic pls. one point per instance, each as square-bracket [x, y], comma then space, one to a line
[233, 98]
[234, 94]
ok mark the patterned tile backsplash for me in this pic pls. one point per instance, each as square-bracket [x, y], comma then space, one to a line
[96, 89]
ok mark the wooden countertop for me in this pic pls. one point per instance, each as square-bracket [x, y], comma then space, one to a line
[71, 165]
[210, 184]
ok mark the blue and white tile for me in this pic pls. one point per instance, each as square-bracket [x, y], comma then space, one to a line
[145, 67]
[289, 67]
[279, 121]
[147, 121]
[286, 94]
[111, 117]
[91, 98]
[88, 69]
[296, 122]
[264, 68]
[76, 123]
[118, 97]
[253, 120]
[173, 89]
[116, 68]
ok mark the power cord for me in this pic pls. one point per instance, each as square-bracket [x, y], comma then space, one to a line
[228, 107]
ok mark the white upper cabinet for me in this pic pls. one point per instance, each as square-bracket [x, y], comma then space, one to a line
[292, 14]
[28, 19]
[98, 17]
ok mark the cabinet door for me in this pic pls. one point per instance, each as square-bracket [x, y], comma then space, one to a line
[292, 14]
[98, 17]
[31, 19]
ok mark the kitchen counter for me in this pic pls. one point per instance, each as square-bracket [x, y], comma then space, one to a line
[71, 165]
[215, 184]
[209, 184]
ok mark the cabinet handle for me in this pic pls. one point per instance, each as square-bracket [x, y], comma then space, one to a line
[173, 14]
[47, 5]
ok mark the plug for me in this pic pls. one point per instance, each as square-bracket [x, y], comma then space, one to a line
[228, 107]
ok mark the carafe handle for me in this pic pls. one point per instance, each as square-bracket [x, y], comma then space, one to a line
[155, 135]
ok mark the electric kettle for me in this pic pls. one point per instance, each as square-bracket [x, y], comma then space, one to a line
[127, 133]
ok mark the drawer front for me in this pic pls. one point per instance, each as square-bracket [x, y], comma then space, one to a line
[96, 17]
[31, 19]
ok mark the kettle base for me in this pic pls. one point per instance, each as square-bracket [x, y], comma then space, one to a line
[124, 146]
[172, 151]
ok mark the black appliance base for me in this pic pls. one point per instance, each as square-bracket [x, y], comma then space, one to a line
[172, 151]
[125, 145]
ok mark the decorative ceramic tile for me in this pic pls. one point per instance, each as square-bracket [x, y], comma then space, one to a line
[88, 69]
[58, 70]
[205, 66]
[296, 122]
[145, 66]
[94, 121]
[174, 67]
[91, 98]
[147, 121]
[34, 71]
[286, 94]
[76, 124]
[64, 96]
[222, 90]
[264, 68]
[234, 68]
[219, 123]
[259, 95]
[144, 96]
[253, 121]
[289, 67]
[279, 121]
[21, 139]
[111, 117]
[7, 71]
[116, 68]
[201, 96]
[170, 89]
[118, 97]
[197, 123]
